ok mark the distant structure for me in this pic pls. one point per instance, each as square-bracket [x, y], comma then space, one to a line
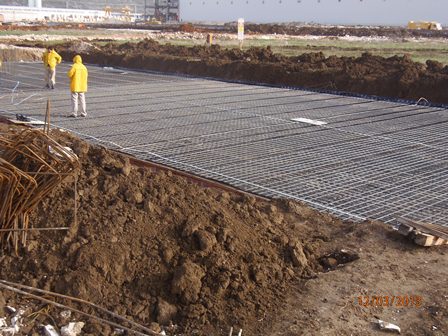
[162, 10]
[127, 10]
[35, 14]
[135, 5]
[35, 3]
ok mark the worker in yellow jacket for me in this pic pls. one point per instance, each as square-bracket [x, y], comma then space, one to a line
[51, 58]
[78, 75]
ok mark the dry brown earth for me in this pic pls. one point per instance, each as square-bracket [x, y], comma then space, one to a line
[394, 77]
[157, 248]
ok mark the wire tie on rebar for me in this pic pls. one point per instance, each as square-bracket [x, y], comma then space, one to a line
[422, 99]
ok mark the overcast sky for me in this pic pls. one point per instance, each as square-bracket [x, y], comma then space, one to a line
[386, 12]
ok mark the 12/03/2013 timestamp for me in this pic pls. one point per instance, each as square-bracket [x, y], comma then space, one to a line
[398, 301]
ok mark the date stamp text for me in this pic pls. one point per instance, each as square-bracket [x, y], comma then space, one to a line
[397, 301]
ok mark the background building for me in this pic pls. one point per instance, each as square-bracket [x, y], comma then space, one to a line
[163, 10]
[81, 4]
[10, 14]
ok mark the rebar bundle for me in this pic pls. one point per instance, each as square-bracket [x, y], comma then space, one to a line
[31, 166]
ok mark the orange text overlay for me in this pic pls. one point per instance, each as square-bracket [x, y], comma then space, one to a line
[389, 301]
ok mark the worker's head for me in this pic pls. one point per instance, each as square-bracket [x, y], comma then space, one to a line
[50, 48]
[77, 59]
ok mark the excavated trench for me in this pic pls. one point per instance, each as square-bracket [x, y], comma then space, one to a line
[397, 77]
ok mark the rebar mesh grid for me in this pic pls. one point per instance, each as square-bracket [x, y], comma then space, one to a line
[373, 159]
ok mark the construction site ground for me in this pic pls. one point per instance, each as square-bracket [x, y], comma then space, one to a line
[156, 248]
[367, 74]
[168, 253]
[368, 160]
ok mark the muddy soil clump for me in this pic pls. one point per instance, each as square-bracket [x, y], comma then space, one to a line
[10, 53]
[164, 251]
[394, 77]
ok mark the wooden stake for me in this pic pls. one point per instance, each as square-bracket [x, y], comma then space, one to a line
[75, 219]
[47, 117]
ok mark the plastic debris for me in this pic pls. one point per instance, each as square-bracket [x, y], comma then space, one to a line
[6, 330]
[389, 326]
[111, 69]
[49, 330]
[66, 149]
[72, 329]
[16, 322]
[10, 309]
[309, 121]
[66, 314]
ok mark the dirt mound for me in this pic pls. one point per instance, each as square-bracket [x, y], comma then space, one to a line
[10, 53]
[396, 77]
[359, 31]
[158, 248]
[83, 47]
[295, 29]
[186, 27]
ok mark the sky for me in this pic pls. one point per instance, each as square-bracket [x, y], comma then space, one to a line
[383, 12]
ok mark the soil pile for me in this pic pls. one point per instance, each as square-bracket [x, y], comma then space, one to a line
[159, 249]
[359, 31]
[396, 77]
[295, 29]
[10, 53]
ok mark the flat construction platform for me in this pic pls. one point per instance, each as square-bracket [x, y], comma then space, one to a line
[364, 159]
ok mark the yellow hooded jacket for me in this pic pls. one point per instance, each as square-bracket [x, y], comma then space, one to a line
[51, 59]
[78, 75]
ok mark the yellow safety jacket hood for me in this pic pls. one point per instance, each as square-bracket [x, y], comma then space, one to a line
[77, 59]
[78, 75]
